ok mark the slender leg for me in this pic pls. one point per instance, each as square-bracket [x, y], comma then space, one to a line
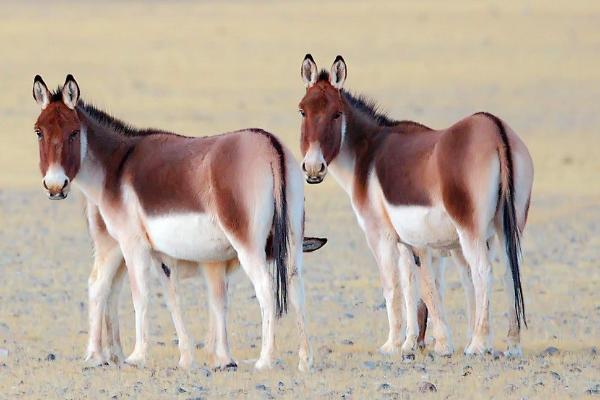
[432, 298]
[410, 290]
[297, 298]
[476, 254]
[107, 260]
[386, 254]
[139, 261]
[513, 337]
[115, 351]
[254, 263]
[216, 280]
[169, 278]
[467, 283]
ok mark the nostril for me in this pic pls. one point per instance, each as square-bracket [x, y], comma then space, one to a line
[304, 167]
[44, 183]
[322, 168]
[65, 184]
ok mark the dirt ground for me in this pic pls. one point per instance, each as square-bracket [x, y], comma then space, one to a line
[210, 67]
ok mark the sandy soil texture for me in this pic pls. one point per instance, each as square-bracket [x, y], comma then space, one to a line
[207, 68]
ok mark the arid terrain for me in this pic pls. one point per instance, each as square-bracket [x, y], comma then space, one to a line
[206, 68]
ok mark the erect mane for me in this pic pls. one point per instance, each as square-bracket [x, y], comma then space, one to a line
[105, 119]
[370, 108]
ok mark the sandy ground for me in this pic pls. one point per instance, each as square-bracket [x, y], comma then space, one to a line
[207, 68]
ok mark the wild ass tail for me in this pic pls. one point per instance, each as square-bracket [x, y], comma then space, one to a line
[512, 235]
[280, 245]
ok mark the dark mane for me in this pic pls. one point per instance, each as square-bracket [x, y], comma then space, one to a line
[105, 119]
[323, 75]
[370, 108]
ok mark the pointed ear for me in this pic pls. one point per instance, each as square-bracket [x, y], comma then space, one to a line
[311, 244]
[70, 92]
[338, 74]
[41, 94]
[309, 71]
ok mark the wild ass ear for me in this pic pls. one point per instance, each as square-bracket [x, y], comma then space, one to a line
[312, 243]
[309, 71]
[41, 94]
[70, 92]
[338, 74]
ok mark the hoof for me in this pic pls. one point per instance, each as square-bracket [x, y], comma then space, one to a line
[185, 363]
[95, 359]
[477, 348]
[409, 346]
[389, 348]
[263, 364]
[135, 361]
[304, 365]
[443, 349]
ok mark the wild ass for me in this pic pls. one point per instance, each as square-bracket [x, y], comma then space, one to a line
[418, 189]
[165, 196]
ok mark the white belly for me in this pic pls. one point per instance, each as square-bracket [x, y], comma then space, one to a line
[423, 226]
[192, 236]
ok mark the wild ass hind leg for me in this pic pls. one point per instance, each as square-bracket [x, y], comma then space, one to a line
[107, 259]
[476, 253]
[410, 290]
[513, 337]
[384, 248]
[113, 335]
[218, 348]
[305, 357]
[430, 293]
[169, 279]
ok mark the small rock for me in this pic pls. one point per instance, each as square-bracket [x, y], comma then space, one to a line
[550, 351]
[425, 387]
[510, 388]
[555, 375]
[370, 365]
[467, 370]
[593, 390]
[200, 345]
[262, 387]
[496, 355]
[349, 315]
[205, 372]
[407, 358]
[348, 342]
[380, 306]
[50, 357]
[181, 390]
[384, 386]
[594, 351]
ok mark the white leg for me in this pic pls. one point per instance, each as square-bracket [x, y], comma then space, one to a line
[139, 261]
[467, 283]
[297, 299]
[115, 351]
[476, 254]
[169, 278]
[216, 281]
[431, 296]
[107, 260]
[410, 290]
[386, 254]
[254, 264]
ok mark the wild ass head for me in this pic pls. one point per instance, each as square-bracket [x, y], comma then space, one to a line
[323, 121]
[58, 133]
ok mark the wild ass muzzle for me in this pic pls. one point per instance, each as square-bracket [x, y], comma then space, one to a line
[419, 190]
[162, 196]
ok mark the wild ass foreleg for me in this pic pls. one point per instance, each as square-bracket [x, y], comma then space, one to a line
[466, 279]
[410, 290]
[107, 259]
[169, 278]
[218, 348]
[430, 294]
[387, 256]
[297, 299]
[111, 316]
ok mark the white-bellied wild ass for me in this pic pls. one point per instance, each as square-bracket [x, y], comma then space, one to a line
[166, 197]
[415, 188]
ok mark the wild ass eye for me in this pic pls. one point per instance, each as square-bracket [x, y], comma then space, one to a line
[73, 135]
[337, 115]
[39, 134]
[301, 111]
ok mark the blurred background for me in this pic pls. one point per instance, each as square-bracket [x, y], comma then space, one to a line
[201, 68]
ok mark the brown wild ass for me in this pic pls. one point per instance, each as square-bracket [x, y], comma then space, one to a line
[415, 189]
[163, 197]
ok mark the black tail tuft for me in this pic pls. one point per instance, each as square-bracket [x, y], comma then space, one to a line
[512, 235]
[280, 239]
